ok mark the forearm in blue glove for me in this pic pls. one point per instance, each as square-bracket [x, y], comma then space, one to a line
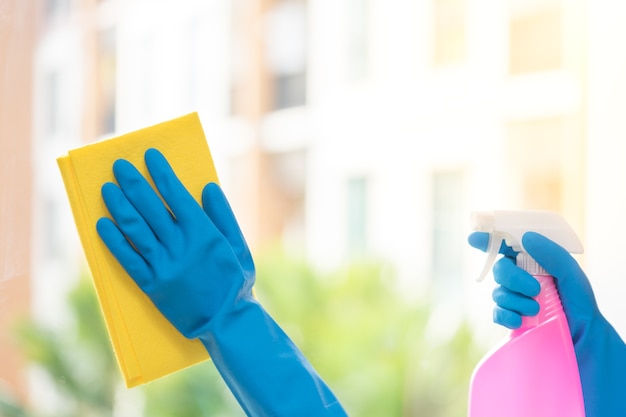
[196, 268]
[600, 351]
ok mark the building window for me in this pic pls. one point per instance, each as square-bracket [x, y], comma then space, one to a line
[145, 84]
[193, 67]
[107, 79]
[535, 42]
[286, 53]
[52, 81]
[289, 90]
[357, 215]
[51, 239]
[287, 175]
[539, 174]
[448, 231]
[449, 32]
[357, 43]
[55, 9]
[55, 111]
[240, 59]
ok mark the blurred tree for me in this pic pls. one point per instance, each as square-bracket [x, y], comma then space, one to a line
[195, 392]
[80, 365]
[10, 408]
[78, 361]
[369, 344]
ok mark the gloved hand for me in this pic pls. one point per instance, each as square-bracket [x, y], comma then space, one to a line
[196, 267]
[600, 351]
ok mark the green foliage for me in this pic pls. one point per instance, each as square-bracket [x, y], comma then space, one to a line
[79, 360]
[369, 344]
[194, 392]
[9, 407]
[80, 363]
[439, 383]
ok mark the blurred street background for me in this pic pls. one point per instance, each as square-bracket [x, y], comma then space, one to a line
[353, 138]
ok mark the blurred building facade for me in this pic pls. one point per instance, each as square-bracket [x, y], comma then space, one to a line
[350, 129]
[17, 35]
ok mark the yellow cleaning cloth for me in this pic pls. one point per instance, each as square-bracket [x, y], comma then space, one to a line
[146, 345]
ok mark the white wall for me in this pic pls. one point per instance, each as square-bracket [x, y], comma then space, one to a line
[606, 151]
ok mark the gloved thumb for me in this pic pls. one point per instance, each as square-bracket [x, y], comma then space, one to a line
[574, 288]
[216, 206]
[480, 240]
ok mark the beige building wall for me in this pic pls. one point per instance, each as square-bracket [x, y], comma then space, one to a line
[17, 40]
[545, 140]
[260, 197]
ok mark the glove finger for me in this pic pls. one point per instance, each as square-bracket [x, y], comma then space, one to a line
[132, 262]
[515, 302]
[572, 283]
[184, 207]
[129, 220]
[507, 318]
[515, 279]
[144, 198]
[480, 240]
[218, 209]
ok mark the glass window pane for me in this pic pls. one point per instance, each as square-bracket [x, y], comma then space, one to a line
[448, 231]
[357, 215]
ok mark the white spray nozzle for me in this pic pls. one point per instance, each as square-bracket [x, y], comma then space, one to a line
[509, 226]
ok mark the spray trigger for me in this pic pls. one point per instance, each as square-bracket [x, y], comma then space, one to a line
[510, 226]
[495, 241]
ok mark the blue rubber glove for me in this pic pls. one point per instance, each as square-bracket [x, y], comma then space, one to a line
[195, 266]
[600, 351]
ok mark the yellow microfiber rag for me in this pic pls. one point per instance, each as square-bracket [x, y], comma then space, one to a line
[146, 345]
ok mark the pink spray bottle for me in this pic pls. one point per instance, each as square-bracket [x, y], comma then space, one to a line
[534, 372]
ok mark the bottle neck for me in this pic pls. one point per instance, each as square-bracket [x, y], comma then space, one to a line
[549, 300]
[528, 264]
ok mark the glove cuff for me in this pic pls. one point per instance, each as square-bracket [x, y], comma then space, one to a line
[264, 369]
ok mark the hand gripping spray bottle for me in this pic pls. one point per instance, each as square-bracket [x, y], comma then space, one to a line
[534, 373]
